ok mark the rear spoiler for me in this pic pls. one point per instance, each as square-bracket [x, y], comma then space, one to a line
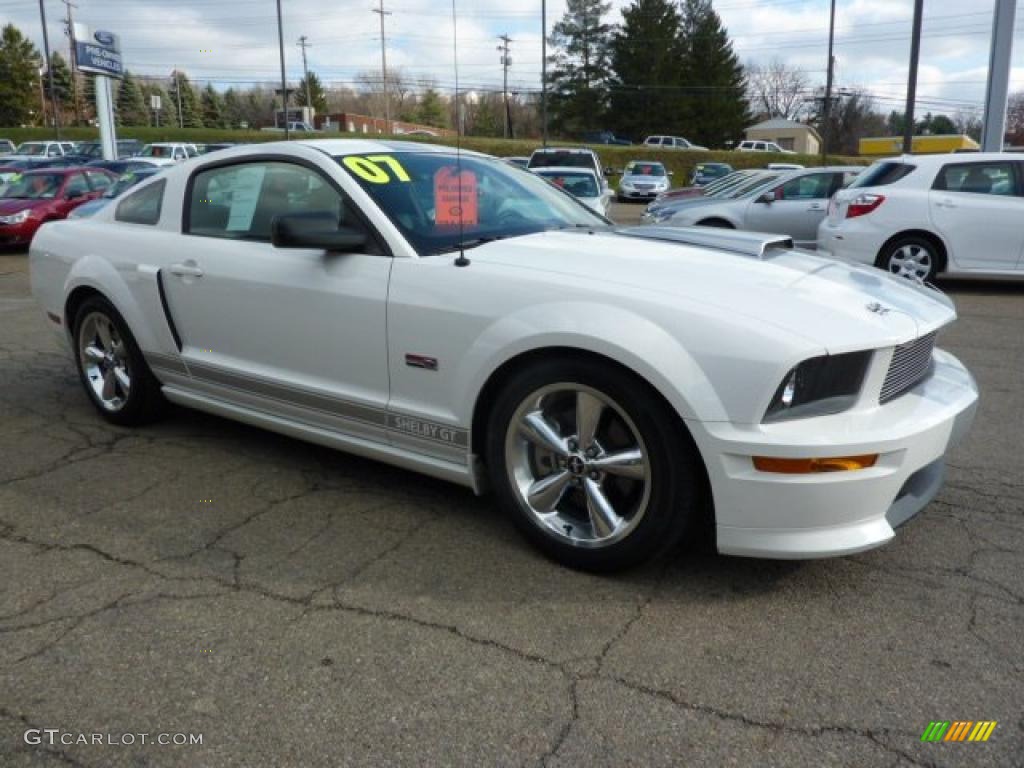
[754, 244]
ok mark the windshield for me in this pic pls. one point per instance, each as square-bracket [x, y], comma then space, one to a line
[645, 169]
[124, 182]
[561, 160]
[425, 196]
[152, 150]
[31, 148]
[578, 184]
[38, 186]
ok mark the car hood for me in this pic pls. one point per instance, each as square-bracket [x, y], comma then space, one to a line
[13, 205]
[840, 306]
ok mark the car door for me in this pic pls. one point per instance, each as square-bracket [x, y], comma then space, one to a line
[797, 208]
[978, 208]
[300, 333]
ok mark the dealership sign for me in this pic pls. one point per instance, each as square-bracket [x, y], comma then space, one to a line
[98, 53]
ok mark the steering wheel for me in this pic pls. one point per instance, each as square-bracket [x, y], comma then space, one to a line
[511, 217]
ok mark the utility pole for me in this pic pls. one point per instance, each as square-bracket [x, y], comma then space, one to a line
[827, 107]
[177, 92]
[915, 55]
[54, 101]
[384, 66]
[1000, 57]
[305, 70]
[69, 23]
[506, 60]
[284, 82]
[544, 72]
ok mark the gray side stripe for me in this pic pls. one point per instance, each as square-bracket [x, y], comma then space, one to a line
[166, 362]
[406, 425]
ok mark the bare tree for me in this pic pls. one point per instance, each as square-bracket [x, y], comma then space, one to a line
[1015, 119]
[777, 89]
[967, 123]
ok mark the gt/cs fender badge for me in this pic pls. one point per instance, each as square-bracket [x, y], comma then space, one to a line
[877, 308]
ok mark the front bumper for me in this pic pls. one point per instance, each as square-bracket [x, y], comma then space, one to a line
[639, 194]
[18, 234]
[761, 514]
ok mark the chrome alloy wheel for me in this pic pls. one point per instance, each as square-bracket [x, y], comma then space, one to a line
[104, 359]
[578, 465]
[913, 261]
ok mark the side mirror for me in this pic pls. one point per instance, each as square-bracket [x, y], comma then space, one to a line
[316, 229]
[73, 194]
[767, 197]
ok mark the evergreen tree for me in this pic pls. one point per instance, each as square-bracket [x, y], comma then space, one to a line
[131, 106]
[19, 77]
[316, 92]
[233, 114]
[213, 107]
[430, 110]
[715, 107]
[647, 51]
[578, 82]
[61, 81]
[189, 102]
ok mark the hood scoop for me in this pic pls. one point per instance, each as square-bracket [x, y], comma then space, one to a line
[754, 244]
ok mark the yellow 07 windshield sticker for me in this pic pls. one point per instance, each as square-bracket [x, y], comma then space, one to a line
[376, 169]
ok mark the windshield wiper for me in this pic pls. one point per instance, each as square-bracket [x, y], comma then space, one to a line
[473, 243]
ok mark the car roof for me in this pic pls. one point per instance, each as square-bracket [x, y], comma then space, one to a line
[574, 150]
[564, 169]
[336, 147]
[951, 157]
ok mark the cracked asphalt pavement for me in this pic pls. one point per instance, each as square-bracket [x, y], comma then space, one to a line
[302, 607]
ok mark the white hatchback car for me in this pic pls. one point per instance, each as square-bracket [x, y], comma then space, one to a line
[581, 183]
[923, 215]
[452, 315]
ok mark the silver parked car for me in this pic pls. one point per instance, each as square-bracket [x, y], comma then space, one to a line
[794, 204]
[738, 185]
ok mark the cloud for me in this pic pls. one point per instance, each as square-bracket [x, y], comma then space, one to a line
[237, 42]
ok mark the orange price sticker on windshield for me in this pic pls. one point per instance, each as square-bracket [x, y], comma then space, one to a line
[454, 205]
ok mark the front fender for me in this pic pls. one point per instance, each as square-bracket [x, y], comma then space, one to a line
[613, 332]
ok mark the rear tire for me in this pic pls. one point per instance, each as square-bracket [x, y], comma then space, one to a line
[913, 257]
[111, 366]
[591, 466]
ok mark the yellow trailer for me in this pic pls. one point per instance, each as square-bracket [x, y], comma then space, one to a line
[923, 145]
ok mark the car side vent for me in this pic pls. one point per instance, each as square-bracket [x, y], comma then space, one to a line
[753, 244]
[911, 362]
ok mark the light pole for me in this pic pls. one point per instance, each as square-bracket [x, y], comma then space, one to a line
[55, 102]
[284, 82]
[384, 66]
[915, 55]
[544, 72]
[305, 71]
[1000, 57]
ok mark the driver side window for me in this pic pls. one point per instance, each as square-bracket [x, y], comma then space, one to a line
[241, 201]
[76, 185]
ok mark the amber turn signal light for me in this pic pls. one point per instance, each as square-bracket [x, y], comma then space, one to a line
[810, 466]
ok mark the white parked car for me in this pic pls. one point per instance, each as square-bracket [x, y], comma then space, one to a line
[672, 142]
[794, 205]
[447, 313]
[581, 183]
[167, 153]
[763, 146]
[643, 180]
[568, 157]
[923, 215]
[41, 150]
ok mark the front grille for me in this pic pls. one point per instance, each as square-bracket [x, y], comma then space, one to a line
[911, 362]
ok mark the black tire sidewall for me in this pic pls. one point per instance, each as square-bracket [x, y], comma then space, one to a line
[145, 397]
[675, 475]
[890, 250]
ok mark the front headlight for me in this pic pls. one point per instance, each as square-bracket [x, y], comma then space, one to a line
[819, 386]
[15, 218]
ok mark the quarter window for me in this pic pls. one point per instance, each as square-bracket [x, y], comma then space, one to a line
[241, 201]
[978, 179]
[143, 206]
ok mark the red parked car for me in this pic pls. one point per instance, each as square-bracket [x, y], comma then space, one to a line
[47, 194]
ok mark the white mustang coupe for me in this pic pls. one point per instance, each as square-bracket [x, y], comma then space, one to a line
[460, 317]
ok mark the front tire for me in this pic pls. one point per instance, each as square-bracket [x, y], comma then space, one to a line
[593, 468]
[916, 258]
[112, 368]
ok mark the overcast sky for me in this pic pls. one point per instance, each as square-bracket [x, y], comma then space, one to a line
[235, 41]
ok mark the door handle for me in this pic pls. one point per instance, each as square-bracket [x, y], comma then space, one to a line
[816, 207]
[186, 269]
[946, 203]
